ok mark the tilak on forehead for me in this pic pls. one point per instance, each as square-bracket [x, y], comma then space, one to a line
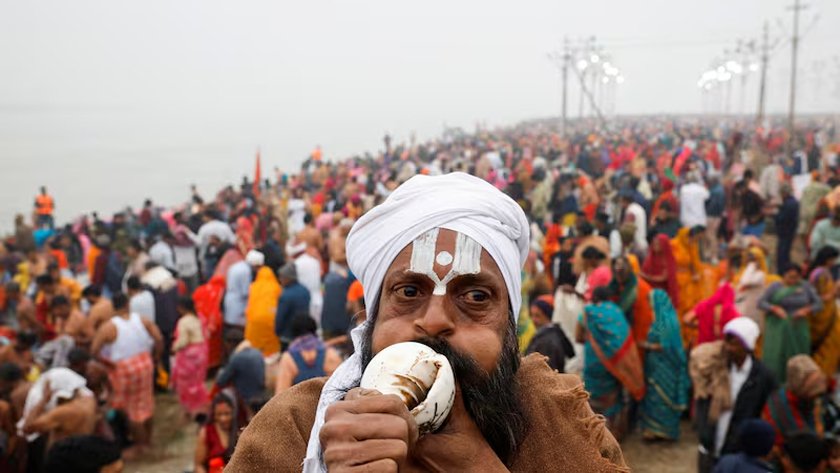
[467, 259]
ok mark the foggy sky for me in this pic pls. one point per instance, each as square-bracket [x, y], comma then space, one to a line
[104, 78]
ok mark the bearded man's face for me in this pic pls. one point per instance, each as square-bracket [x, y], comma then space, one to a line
[447, 292]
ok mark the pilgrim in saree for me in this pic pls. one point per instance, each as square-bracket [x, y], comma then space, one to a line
[532, 284]
[191, 357]
[825, 328]
[208, 305]
[800, 404]
[750, 283]
[660, 268]
[711, 315]
[261, 310]
[692, 276]
[633, 297]
[611, 360]
[789, 305]
[666, 197]
[666, 396]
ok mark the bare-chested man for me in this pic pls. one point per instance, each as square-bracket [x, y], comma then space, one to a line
[101, 308]
[19, 352]
[59, 406]
[13, 391]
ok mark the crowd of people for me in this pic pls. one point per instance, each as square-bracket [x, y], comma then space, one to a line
[682, 267]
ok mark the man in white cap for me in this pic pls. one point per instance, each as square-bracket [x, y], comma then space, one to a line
[440, 261]
[238, 285]
[731, 386]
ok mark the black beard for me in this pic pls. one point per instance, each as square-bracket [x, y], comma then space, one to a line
[492, 400]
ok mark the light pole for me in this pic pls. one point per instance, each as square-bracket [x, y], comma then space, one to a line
[797, 7]
[566, 58]
[765, 58]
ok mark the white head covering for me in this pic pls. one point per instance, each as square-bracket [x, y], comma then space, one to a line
[745, 329]
[457, 202]
[64, 383]
[293, 248]
[255, 258]
[159, 278]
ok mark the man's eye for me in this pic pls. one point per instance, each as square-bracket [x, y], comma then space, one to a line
[477, 296]
[408, 291]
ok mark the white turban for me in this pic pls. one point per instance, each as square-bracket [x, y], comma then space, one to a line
[457, 202]
[745, 329]
[255, 258]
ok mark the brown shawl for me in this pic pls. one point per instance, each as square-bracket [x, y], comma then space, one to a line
[564, 434]
[710, 376]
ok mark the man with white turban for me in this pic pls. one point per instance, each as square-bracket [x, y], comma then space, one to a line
[440, 262]
[731, 386]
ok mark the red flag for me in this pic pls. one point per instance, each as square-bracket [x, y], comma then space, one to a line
[257, 176]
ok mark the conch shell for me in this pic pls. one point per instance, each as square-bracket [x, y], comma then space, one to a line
[419, 376]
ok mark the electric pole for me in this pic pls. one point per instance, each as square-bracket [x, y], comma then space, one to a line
[588, 94]
[567, 57]
[747, 49]
[588, 49]
[594, 66]
[797, 7]
[765, 57]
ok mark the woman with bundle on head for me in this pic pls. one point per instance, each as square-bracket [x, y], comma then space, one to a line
[798, 405]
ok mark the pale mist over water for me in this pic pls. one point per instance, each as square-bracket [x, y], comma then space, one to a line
[104, 159]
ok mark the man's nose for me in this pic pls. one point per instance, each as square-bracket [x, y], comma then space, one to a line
[438, 318]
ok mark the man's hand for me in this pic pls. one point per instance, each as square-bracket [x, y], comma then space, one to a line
[458, 446]
[367, 432]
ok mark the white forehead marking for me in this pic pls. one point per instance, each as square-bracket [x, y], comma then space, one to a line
[467, 259]
[444, 258]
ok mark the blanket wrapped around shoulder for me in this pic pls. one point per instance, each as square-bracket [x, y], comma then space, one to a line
[563, 434]
[710, 377]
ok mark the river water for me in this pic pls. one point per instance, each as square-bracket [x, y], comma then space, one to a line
[105, 159]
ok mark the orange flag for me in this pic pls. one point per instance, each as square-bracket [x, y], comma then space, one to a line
[257, 176]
